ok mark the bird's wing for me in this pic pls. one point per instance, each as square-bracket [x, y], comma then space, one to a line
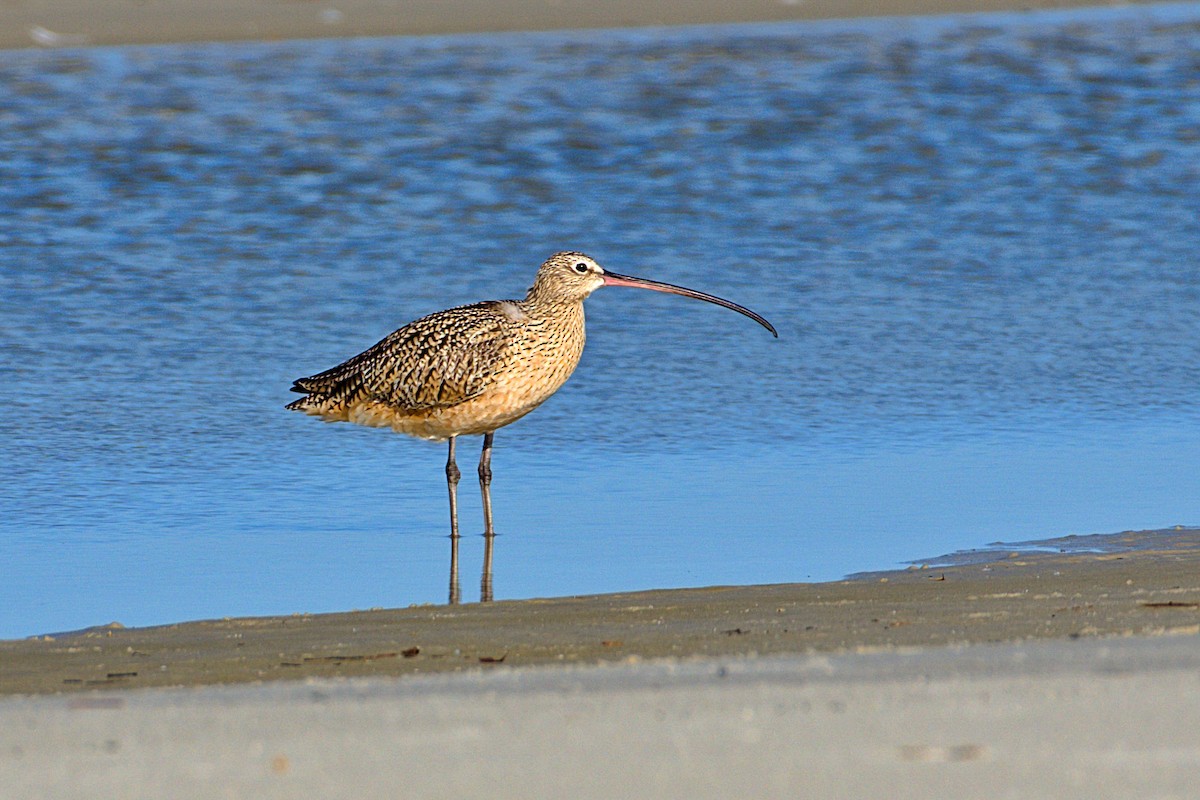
[437, 361]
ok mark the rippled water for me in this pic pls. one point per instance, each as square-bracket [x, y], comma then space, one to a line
[976, 235]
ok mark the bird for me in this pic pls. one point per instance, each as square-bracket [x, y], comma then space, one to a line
[473, 369]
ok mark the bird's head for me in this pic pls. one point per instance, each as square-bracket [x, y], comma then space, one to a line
[571, 277]
[567, 277]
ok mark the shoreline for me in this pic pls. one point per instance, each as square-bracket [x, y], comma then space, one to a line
[30, 24]
[1150, 589]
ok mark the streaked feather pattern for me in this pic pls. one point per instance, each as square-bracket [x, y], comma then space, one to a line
[466, 370]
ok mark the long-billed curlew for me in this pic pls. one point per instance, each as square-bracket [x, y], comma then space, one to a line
[473, 369]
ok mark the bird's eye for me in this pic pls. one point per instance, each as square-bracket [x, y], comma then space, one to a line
[581, 267]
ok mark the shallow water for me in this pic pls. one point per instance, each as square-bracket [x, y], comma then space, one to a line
[976, 235]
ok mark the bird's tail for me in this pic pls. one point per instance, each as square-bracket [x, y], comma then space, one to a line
[327, 394]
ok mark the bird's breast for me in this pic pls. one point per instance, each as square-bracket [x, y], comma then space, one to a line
[544, 351]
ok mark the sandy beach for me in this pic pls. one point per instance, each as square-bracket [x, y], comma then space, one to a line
[49, 23]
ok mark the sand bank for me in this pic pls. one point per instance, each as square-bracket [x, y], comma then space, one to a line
[1153, 590]
[50, 23]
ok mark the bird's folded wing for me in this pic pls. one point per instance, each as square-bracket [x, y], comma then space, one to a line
[437, 361]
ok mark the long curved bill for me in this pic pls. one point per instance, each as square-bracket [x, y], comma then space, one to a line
[613, 279]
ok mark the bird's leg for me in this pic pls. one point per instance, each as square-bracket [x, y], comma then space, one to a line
[489, 534]
[485, 483]
[452, 476]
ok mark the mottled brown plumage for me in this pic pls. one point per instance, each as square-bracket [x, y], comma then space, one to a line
[473, 369]
[467, 370]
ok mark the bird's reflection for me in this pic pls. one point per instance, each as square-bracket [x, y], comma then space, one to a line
[455, 587]
[485, 579]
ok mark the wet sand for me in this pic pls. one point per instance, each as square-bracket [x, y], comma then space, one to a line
[48, 23]
[1150, 589]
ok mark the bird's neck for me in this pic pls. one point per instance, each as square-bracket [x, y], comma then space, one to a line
[549, 302]
[557, 311]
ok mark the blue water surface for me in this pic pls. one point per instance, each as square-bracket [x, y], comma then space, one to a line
[977, 235]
